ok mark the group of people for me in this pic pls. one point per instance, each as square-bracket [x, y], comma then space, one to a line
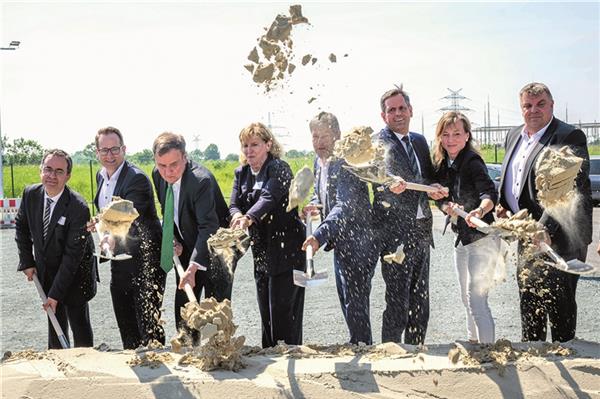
[54, 241]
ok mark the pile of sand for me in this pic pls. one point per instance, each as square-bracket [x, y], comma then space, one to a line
[300, 187]
[556, 171]
[116, 217]
[219, 348]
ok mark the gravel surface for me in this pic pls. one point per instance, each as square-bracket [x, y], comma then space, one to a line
[23, 323]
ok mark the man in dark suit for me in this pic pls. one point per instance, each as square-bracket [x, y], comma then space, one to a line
[347, 228]
[405, 218]
[137, 285]
[199, 210]
[53, 243]
[548, 293]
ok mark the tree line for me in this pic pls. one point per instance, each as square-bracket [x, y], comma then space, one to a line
[23, 151]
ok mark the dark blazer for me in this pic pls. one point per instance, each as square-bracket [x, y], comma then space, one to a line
[201, 210]
[332, 176]
[350, 215]
[135, 186]
[64, 261]
[277, 235]
[469, 183]
[558, 134]
[401, 215]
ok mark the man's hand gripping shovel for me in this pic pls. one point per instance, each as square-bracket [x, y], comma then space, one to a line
[309, 278]
[573, 266]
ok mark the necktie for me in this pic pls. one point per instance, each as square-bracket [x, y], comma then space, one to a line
[166, 249]
[412, 159]
[46, 220]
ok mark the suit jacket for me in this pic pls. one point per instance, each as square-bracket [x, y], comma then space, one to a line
[350, 215]
[277, 235]
[331, 187]
[469, 183]
[135, 186]
[201, 210]
[558, 134]
[64, 261]
[401, 215]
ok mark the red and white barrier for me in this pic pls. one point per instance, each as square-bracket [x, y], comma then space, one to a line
[8, 211]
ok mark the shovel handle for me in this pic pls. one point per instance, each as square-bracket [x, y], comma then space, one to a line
[423, 187]
[57, 328]
[187, 287]
[476, 221]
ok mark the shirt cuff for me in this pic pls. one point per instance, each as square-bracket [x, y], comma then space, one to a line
[198, 265]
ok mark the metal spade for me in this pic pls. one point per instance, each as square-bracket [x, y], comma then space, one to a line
[309, 278]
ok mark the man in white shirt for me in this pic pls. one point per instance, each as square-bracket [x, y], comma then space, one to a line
[137, 284]
[546, 294]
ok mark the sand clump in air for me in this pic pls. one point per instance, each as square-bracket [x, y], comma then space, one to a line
[116, 217]
[229, 245]
[276, 48]
[556, 171]
[356, 147]
[300, 187]
[397, 257]
[219, 348]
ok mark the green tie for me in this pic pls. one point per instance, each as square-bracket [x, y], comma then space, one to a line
[166, 249]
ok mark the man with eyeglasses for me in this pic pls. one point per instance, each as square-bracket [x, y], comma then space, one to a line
[53, 244]
[137, 284]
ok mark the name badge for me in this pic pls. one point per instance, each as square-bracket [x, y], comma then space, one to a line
[258, 185]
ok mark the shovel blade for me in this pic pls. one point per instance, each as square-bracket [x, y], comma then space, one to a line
[302, 279]
[114, 257]
[576, 266]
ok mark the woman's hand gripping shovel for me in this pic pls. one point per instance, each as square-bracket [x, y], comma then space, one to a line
[309, 278]
[573, 266]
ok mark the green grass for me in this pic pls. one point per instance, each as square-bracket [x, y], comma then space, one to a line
[25, 175]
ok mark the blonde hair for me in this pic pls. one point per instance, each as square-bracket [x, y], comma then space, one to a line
[450, 118]
[259, 130]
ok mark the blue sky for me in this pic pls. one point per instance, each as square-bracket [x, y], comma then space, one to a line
[150, 67]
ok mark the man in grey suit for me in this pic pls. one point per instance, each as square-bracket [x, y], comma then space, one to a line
[199, 210]
[137, 285]
[53, 243]
[546, 293]
[404, 217]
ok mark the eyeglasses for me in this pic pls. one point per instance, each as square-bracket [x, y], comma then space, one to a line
[48, 171]
[112, 150]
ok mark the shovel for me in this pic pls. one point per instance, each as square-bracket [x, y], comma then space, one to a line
[106, 252]
[366, 174]
[309, 278]
[53, 320]
[573, 266]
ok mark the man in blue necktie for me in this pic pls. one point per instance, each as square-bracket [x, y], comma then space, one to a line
[404, 218]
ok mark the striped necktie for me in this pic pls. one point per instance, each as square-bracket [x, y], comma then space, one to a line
[166, 248]
[46, 220]
[412, 159]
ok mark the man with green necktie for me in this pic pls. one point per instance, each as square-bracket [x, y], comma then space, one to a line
[193, 209]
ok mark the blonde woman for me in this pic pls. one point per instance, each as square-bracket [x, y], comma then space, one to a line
[460, 168]
[258, 202]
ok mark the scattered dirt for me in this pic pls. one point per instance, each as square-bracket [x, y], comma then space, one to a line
[356, 147]
[397, 257]
[300, 187]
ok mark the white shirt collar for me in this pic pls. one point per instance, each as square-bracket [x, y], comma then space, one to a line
[55, 198]
[538, 134]
[115, 175]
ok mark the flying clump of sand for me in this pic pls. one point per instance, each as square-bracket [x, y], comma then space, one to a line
[556, 171]
[355, 146]
[116, 217]
[300, 187]
[229, 245]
